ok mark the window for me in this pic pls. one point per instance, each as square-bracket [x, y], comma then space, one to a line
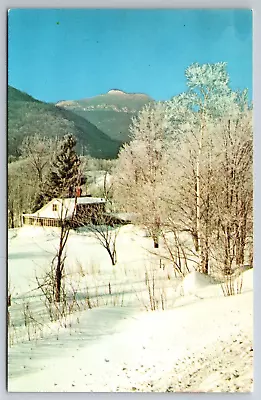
[55, 207]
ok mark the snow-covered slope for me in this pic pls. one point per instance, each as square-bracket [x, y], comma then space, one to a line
[201, 342]
[204, 346]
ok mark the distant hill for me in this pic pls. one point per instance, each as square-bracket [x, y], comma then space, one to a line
[110, 112]
[27, 116]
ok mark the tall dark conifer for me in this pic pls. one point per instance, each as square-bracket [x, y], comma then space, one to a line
[64, 176]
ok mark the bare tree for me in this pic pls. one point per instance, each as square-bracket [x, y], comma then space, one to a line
[66, 218]
[22, 184]
[64, 178]
[104, 226]
[26, 177]
[39, 152]
[106, 233]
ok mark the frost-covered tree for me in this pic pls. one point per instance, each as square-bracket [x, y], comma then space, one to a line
[181, 171]
[193, 115]
[141, 169]
[231, 243]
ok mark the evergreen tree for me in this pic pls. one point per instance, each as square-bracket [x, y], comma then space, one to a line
[65, 172]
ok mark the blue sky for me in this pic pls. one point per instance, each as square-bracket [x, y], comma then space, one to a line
[58, 54]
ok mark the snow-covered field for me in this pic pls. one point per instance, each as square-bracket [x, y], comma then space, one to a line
[201, 341]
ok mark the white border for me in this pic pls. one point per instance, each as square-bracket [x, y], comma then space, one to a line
[253, 4]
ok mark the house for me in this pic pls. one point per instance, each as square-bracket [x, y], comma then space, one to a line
[77, 211]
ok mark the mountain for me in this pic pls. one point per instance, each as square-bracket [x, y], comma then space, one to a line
[17, 95]
[27, 116]
[110, 112]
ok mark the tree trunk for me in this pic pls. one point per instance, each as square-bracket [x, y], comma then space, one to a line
[58, 277]
[112, 255]
[156, 243]
[205, 250]
[205, 260]
[198, 204]
[195, 240]
[241, 239]
[60, 260]
[12, 220]
[58, 283]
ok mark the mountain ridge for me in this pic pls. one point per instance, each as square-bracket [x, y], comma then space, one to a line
[27, 116]
[110, 112]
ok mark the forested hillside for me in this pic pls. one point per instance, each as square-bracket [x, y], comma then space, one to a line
[28, 116]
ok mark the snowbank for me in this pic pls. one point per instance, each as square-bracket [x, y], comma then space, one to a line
[203, 286]
[195, 281]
